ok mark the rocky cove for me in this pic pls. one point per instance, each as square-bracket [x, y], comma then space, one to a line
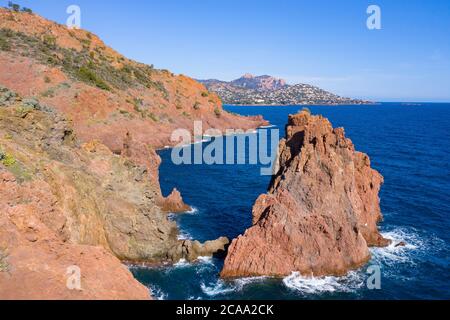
[80, 127]
[209, 188]
[41, 152]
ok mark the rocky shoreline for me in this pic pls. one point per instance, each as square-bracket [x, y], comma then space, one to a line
[79, 170]
[80, 125]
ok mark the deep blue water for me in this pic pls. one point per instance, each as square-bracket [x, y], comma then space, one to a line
[409, 145]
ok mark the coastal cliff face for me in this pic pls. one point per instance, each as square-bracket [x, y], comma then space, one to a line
[321, 212]
[65, 203]
[130, 107]
[79, 178]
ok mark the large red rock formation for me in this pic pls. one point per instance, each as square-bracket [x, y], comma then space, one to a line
[321, 212]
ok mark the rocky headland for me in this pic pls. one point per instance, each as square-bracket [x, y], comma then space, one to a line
[321, 212]
[80, 125]
[268, 90]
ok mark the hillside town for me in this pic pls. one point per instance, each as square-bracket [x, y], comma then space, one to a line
[267, 90]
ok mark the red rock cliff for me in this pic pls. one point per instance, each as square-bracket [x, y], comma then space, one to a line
[321, 212]
[64, 203]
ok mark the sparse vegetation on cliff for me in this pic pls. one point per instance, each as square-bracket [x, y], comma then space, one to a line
[93, 67]
[4, 266]
[7, 159]
[4, 44]
[87, 74]
[217, 112]
[110, 186]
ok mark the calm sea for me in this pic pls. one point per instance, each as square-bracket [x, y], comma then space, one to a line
[408, 143]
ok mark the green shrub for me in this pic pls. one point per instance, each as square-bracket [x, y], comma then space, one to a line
[6, 159]
[4, 266]
[15, 167]
[217, 112]
[86, 42]
[23, 111]
[87, 75]
[205, 94]
[152, 116]
[14, 6]
[49, 41]
[4, 44]
[197, 105]
[126, 114]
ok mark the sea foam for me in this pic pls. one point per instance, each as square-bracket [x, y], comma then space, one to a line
[394, 254]
[313, 285]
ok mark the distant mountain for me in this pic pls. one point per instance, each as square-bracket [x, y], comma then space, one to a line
[261, 83]
[267, 90]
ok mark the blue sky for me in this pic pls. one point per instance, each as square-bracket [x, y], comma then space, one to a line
[321, 42]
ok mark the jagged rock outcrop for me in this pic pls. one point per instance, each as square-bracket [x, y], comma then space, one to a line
[192, 250]
[174, 203]
[321, 212]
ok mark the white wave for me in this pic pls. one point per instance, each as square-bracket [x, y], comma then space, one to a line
[267, 127]
[218, 288]
[184, 235]
[193, 210]
[242, 282]
[157, 293]
[312, 285]
[221, 287]
[182, 264]
[205, 260]
[393, 253]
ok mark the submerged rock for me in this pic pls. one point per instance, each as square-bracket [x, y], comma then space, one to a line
[400, 244]
[321, 212]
